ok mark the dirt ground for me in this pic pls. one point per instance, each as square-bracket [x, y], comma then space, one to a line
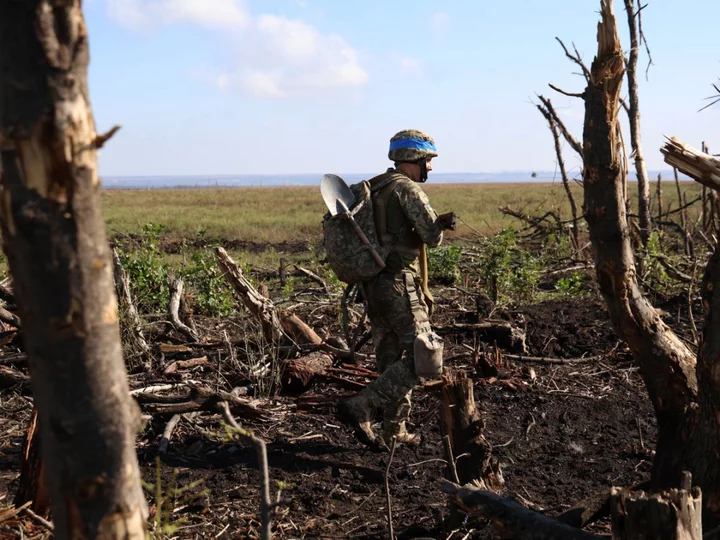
[561, 432]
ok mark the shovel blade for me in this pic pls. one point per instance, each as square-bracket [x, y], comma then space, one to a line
[337, 195]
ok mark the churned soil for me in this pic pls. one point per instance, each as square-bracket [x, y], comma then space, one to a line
[561, 432]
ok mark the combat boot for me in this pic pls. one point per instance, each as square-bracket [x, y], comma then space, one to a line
[357, 412]
[400, 433]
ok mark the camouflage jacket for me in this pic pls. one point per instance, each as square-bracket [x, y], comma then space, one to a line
[410, 221]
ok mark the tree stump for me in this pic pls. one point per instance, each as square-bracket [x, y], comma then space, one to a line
[675, 514]
[463, 426]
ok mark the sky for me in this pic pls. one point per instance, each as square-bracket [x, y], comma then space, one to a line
[311, 86]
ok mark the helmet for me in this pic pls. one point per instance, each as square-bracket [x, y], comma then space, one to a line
[411, 145]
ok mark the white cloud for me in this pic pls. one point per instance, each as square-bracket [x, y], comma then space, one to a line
[411, 67]
[439, 22]
[277, 57]
[228, 14]
[223, 81]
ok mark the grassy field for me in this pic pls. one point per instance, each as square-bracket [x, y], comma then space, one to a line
[294, 214]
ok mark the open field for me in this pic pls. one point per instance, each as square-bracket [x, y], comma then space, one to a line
[565, 408]
[294, 214]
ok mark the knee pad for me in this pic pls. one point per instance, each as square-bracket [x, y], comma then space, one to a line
[428, 352]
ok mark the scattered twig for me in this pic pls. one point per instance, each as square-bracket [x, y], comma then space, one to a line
[39, 519]
[387, 489]
[261, 450]
[167, 434]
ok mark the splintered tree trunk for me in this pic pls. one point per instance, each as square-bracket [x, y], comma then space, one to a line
[671, 515]
[54, 237]
[463, 425]
[685, 391]
[667, 365]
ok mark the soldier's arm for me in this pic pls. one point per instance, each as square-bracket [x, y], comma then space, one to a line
[417, 209]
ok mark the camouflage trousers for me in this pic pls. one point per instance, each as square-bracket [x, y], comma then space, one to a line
[397, 313]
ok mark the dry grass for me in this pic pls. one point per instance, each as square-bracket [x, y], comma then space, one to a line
[294, 214]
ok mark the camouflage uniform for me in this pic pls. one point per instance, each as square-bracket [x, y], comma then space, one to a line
[396, 306]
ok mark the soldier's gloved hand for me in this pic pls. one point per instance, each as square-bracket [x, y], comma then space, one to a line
[448, 221]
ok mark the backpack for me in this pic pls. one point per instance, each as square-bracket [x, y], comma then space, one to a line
[347, 255]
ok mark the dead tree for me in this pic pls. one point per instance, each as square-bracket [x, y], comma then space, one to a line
[674, 514]
[553, 124]
[634, 19]
[683, 388]
[54, 237]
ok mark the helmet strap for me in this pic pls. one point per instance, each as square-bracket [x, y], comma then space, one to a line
[423, 170]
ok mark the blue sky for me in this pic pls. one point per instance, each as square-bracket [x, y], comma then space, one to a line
[310, 86]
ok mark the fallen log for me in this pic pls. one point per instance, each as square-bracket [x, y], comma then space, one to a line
[300, 332]
[675, 514]
[298, 374]
[502, 333]
[512, 518]
[260, 306]
[186, 364]
[199, 399]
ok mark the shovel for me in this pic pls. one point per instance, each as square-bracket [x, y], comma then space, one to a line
[339, 198]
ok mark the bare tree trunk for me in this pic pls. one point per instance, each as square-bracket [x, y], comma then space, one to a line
[54, 236]
[634, 117]
[667, 364]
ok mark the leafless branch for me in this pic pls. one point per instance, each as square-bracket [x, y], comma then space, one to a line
[565, 93]
[575, 58]
[572, 141]
[643, 40]
[266, 504]
[561, 164]
[387, 489]
[715, 99]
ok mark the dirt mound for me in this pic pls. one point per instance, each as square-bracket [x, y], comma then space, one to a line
[567, 328]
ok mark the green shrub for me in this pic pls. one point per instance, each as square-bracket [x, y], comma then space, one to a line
[507, 270]
[214, 297]
[148, 271]
[444, 264]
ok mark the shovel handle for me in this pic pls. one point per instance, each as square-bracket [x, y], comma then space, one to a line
[365, 241]
[362, 236]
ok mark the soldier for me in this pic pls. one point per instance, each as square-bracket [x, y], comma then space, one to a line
[397, 304]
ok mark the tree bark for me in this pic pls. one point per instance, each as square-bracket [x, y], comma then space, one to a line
[54, 236]
[667, 365]
[464, 426]
[634, 117]
[513, 520]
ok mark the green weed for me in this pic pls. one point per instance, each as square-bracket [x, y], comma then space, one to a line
[444, 264]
